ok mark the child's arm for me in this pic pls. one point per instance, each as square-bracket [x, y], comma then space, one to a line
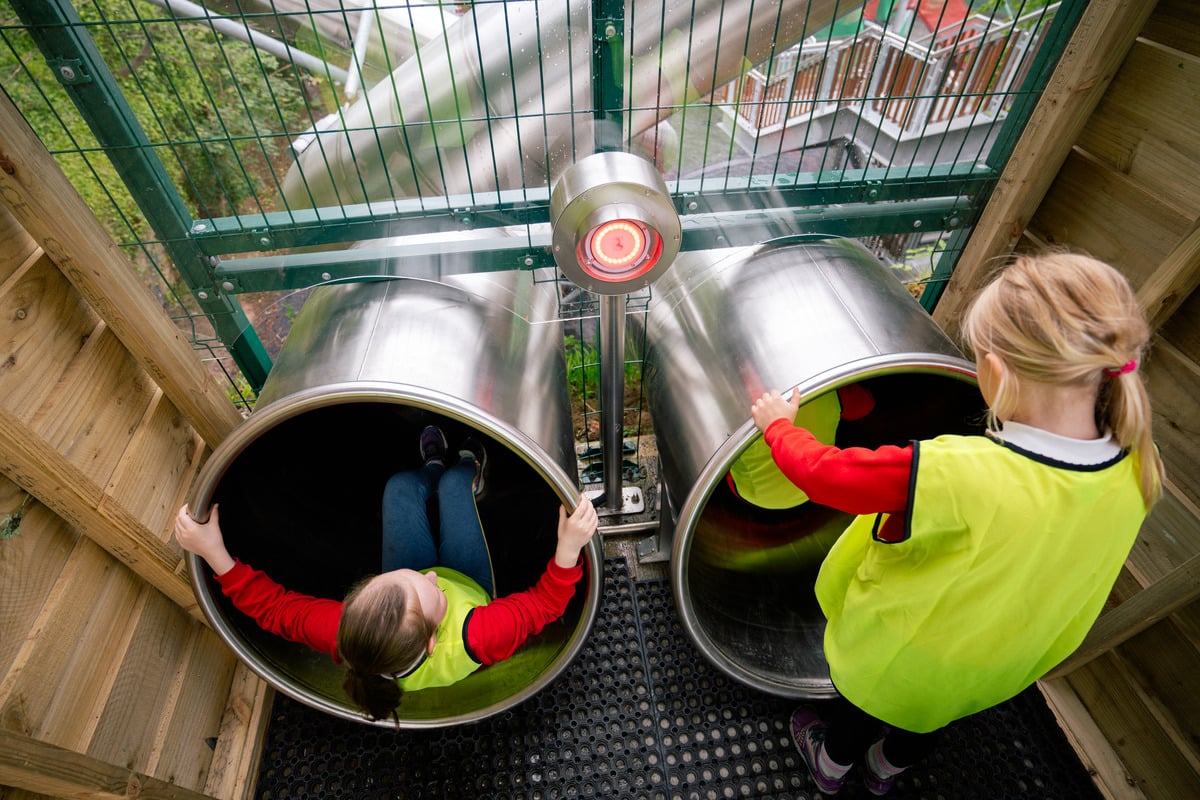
[311, 621]
[496, 630]
[856, 480]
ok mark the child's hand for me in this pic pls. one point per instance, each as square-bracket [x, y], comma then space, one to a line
[205, 540]
[771, 406]
[575, 531]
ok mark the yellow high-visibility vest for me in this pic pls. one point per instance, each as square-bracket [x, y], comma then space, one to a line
[757, 476]
[449, 662]
[1007, 561]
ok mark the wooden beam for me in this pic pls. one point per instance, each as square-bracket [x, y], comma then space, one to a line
[40, 197]
[1103, 37]
[1158, 600]
[41, 768]
[1102, 762]
[234, 770]
[35, 466]
[1173, 282]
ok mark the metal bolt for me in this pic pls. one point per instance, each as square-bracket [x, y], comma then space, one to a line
[21, 313]
[227, 286]
[529, 261]
[873, 194]
[67, 72]
[214, 261]
[325, 276]
[693, 205]
[202, 295]
[610, 31]
[953, 222]
[916, 223]
[264, 241]
[199, 226]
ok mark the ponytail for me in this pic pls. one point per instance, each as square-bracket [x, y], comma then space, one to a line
[1124, 407]
[377, 696]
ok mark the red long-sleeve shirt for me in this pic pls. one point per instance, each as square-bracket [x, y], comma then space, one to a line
[494, 631]
[857, 480]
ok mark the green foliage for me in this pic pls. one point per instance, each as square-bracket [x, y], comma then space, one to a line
[583, 370]
[216, 111]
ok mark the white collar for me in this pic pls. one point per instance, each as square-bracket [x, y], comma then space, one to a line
[1084, 452]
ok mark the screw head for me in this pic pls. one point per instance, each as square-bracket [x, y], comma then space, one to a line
[916, 223]
[202, 295]
[325, 276]
[67, 72]
[227, 286]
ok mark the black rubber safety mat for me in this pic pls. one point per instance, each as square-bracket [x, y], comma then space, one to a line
[642, 714]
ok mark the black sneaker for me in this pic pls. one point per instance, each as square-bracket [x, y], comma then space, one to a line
[473, 449]
[433, 445]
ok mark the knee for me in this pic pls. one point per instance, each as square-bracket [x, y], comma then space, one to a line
[458, 478]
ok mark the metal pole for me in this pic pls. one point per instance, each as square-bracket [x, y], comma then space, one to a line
[238, 29]
[612, 394]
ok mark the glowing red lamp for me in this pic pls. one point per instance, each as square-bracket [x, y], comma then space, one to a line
[615, 228]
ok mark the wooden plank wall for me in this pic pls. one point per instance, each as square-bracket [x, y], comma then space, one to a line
[1125, 186]
[111, 685]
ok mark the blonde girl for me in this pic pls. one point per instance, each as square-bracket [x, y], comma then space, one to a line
[977, 563]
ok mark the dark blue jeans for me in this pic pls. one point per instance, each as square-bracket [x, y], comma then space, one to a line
[407, 539]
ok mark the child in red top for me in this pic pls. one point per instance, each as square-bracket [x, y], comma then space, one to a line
[977, 563]
[410, 627]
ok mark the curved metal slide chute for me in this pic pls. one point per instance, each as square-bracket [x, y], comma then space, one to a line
[504, 99]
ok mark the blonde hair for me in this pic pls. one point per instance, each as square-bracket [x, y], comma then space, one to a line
[1067, 319]
[380, 634]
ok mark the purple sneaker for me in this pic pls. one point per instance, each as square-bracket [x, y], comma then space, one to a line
[433, 445]
[808, 733]
[877, 784]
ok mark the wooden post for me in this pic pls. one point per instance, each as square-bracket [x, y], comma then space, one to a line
[46, 474]
[1100, 43]
[44, 769]
[1173, 282]
[40, 197]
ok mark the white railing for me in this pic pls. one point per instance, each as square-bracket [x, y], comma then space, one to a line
[967, 72]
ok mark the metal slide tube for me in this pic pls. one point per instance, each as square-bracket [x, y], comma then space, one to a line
[365, 367]
[722, 328]
[504, 99]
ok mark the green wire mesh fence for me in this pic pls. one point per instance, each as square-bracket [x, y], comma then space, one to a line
[243, 151]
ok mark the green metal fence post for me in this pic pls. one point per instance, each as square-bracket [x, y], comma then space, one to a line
[1026, 99]
[63, 38]
[608, 72]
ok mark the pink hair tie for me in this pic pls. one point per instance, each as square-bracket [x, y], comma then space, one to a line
[1128, 366]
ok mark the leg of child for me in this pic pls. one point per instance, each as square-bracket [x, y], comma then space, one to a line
[893, 754]
[849, 732]
[463, 546]
[407, 540]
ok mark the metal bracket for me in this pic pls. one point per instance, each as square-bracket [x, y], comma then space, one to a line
[632, 501]
[70, 71]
